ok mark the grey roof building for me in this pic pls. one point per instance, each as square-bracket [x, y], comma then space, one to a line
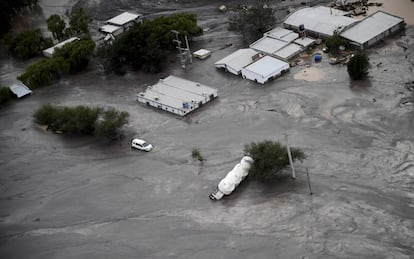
[177, 95]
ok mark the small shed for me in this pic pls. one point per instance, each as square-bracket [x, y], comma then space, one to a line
[202, 53]
[288, 52]
[177, 95]
[125, 19]
[49, 52]
[265, 69]
[111, 29]
[234, 62]
[268, 45]
[20, 90]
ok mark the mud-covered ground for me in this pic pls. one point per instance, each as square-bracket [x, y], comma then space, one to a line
[71, 197]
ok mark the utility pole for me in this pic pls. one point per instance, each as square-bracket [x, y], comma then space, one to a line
[290, 157]
[310, 188]
[185, 53]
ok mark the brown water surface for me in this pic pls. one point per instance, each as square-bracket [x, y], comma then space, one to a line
[402, 8]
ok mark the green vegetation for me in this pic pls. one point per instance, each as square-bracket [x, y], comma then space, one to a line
[27, 44]
[82, 120]
[333, 43]
[72, 57]
[78, 25]
[358, 66]
[252, 22]
[195, 153]
[9, 9]
[5, 94]
[269, 158]
[146, 45]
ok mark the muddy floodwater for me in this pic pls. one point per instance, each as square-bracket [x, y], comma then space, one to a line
[79, 197]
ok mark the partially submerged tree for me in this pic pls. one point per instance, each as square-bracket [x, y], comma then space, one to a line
[252, 22]
[111, 121]
[78, 23]
[333, 43]
[27, 44]
[270, 157]
[56, 25]
[76, 53]
[358, 66]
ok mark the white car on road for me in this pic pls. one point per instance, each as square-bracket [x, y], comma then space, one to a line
[141, 145]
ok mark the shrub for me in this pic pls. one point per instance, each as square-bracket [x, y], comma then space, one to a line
[76, 53]
[358, 66]
[334, 42]
[27, 44]
[270, 157]
[195, 153]
[5, 94]
[110, 122]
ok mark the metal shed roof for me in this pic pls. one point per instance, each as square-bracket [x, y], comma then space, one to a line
[319, 19]
[49, 52]
[109, 28]
[20, 90]
[123, 18]
[304, 42]
[289, 51]
[267, 66]
[268, 45]
[371, 26]
[238, 59]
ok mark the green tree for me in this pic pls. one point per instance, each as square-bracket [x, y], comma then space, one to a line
[78, 23]
[110, 122]
[27, 44]
[5, 94]
[269, 158]
[56, 25]
[358, 66]
[76, 53]
[252, 22]
[333, 43]
[44, 72]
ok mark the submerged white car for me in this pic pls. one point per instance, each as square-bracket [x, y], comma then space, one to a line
[141, 145]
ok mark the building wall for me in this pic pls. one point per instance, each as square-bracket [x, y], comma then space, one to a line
[164, 107]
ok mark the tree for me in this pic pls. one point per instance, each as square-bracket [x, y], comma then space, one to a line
[358, 66]
[254, 21]
[78, 23]
[56, 25]
[44, 72]
[111, 121]
[76, 53]
[146, 44]
[5, 94]
[333, 43]
[27, 44]
[269, 158]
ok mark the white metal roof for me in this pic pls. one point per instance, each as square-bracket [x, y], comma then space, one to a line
[268, 45]
[319, 19]
[238, 59]
[371, 26]
[305, 42]
[49, 52]
[123, 18]
[288, 51]
[202, 52]
[277, 32]
[109, 28]
[267, 65]
[173, 91]
[20, 90]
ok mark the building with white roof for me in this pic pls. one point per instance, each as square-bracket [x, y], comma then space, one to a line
[282, 34]
[305, 42]
[234, 62]
[111, 29]
[20, 90]
[265, 69]
[372, 29]
[177, 95]
[50, 51]
[268, 45]
[288, 52]
[125, 19]
[319, 21]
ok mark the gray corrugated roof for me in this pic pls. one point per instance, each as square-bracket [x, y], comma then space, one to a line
[20, 90]
[371, 26]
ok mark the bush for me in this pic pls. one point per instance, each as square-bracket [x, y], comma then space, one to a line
[5, 94]
[254, 21]
[333, 43]
[82, 120]
[358, 66]
[270, 157]
[76, 53]
[195, 153]
[27, 44]
[44, 72]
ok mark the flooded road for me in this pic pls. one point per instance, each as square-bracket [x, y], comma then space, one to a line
[71, 197]
[402, 8]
